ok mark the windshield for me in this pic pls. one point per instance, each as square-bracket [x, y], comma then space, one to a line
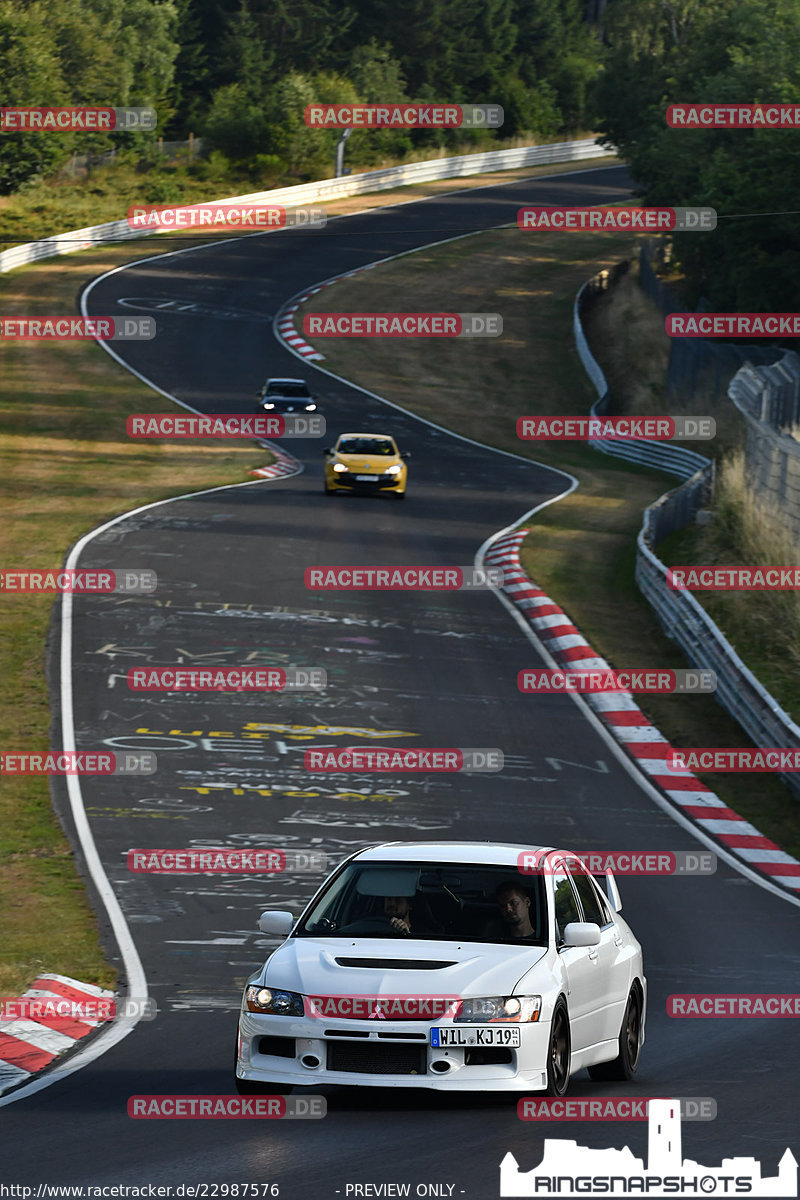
[430, 902]
[288, 389]
[366, 446]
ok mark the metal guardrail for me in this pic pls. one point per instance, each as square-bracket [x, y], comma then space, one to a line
[325, 189]
[674, 460]
[682, 617]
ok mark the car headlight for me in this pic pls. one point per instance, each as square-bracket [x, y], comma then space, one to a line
[311, 408]
[394, 470]
[267, 404]
[501, 1008]
[339, 467]
[277, 1003]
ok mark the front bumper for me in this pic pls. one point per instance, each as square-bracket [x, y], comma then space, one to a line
[311, 1051]
[348, 480]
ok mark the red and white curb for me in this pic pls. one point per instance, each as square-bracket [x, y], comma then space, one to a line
[630, 727]
[284, 464]
[284, 322]
[27, 1046]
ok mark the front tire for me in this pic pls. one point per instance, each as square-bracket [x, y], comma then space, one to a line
[558, 1053]
[624, 1066]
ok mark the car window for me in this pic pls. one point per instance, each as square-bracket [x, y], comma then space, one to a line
[288, 389]
[590, 901]
[366, 446]
[447, 901]
[566, 901]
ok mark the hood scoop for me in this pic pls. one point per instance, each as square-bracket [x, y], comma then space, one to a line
[396, 964]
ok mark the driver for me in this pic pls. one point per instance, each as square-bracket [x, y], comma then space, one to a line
[399, 910]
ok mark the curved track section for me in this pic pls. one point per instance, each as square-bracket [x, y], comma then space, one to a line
[437, 669]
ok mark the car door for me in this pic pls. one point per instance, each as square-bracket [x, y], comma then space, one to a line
[579, 964]
[612, 958]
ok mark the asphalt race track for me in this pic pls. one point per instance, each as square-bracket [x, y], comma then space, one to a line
[441, 667]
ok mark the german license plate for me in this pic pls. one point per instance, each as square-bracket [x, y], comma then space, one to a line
[367, 478]
[476, 1035]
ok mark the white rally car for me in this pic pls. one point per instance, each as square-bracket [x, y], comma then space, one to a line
[446, 966]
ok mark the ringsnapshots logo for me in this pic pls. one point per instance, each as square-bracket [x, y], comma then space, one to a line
[233, 425]
[725, 760]
[403, 116]
[247, 215]
[78, 762]
[624, 218]
[70, 120]
[99, 581]
[733, 116]
[402, 579]
[77, 329]
[734, 579]
[610, 1108]
[227, 679]
[732, 325]
[222, 860]
[62, 1012]
[414, 761]
[642, 682]
[582, 429]
[403, 325]
[619, 862]
[226, 1108]
[567, 1169]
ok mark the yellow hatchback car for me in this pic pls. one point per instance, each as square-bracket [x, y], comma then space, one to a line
[366, 462]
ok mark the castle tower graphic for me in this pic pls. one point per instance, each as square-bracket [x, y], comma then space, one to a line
[565, 1161]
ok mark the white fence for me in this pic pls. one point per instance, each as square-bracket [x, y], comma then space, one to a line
[324, 189]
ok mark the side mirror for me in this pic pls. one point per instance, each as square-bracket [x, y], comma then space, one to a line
[276, 921]
[582, 933]
[328, 450]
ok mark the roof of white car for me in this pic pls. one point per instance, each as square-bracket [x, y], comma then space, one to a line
[504, 854]
[282, 380]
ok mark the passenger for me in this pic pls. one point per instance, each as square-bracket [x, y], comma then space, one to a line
[514, 904]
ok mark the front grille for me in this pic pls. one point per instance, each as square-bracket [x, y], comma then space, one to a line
[281, 1047]
[377, 1059]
